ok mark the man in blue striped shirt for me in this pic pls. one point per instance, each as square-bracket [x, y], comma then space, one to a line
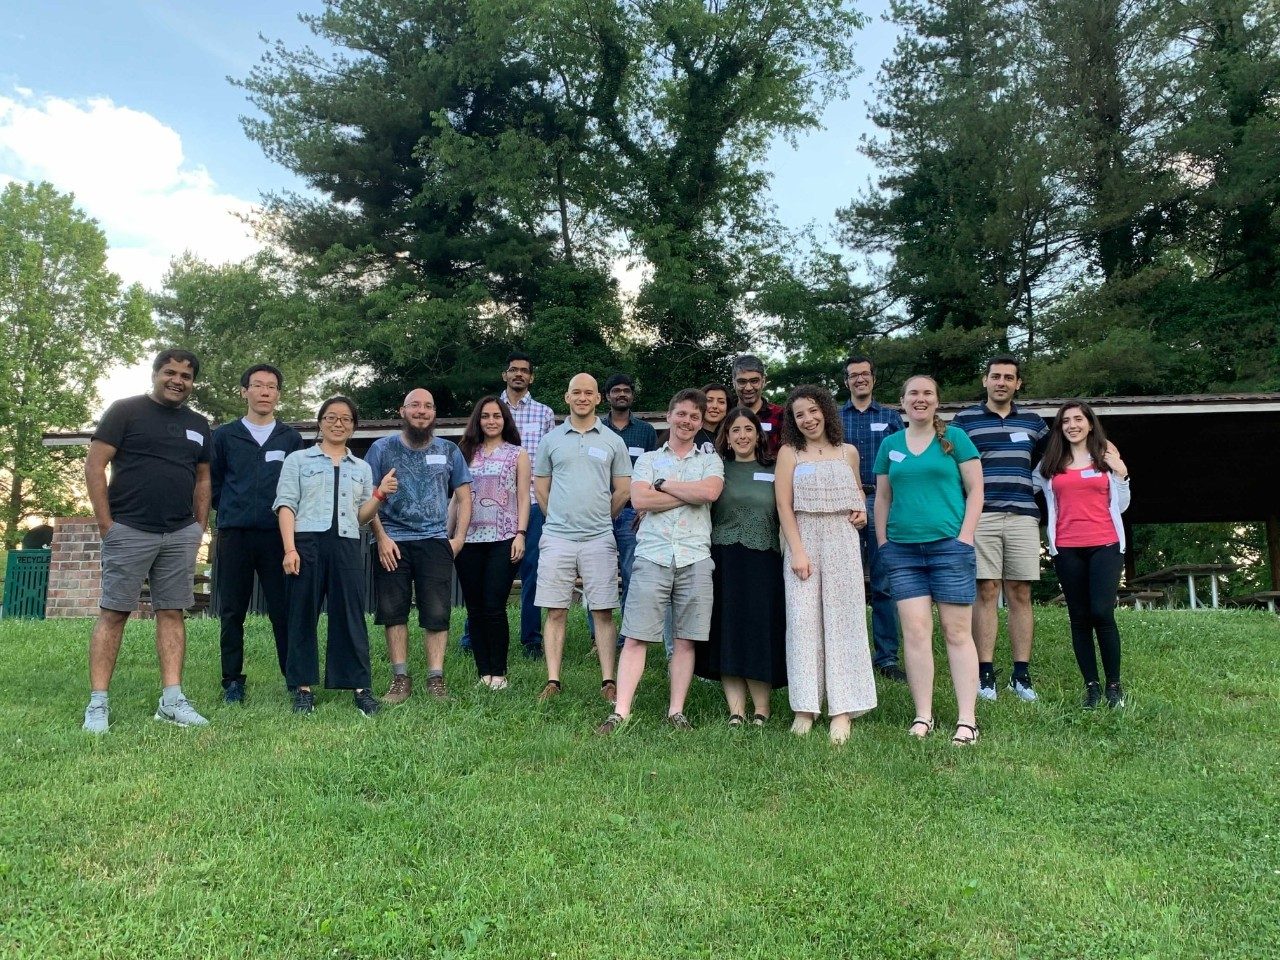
[1011, 441]
[866, 424]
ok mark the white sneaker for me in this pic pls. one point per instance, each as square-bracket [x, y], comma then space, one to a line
[1023, 689]
[96, 718]
[181, 713]
[987, 688]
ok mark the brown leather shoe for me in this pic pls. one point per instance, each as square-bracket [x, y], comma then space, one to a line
[611, 723]
[609, 690]
[437, 689]
[550, 691]
[401, 689]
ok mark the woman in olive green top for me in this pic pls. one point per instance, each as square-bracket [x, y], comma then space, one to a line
[747, 647]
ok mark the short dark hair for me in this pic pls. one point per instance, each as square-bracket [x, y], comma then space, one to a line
[520, 355]
[181, 356]
[339, 398]
[262, 368]
[619, 379]
[748, 361]
[859, 358]
[689, 395]
[1006, 360]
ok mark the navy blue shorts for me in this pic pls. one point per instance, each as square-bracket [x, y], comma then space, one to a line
[946, 570]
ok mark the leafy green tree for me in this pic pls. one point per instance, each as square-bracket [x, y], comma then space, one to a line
[66, 320]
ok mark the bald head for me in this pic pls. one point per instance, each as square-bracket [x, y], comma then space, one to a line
[418, 414]
[583, 396]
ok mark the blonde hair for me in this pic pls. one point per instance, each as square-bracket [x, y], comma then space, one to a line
[939, 427]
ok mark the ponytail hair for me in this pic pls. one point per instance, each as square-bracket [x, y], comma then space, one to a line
[940, 429]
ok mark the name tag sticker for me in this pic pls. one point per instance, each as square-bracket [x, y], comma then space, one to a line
[1020, 437]
[598, 453]
[805, 469]
[635, 451]
[435, 459]
[195, 437]
[897, 456]
[877, 427]
[1089, 474]
[766, 477]
[272, 456]
[766, 426]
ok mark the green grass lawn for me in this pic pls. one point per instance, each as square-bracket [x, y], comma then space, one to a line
[492, 827]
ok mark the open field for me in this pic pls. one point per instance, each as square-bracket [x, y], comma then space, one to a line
[492, 827]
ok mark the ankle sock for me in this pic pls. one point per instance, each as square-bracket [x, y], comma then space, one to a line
[435, 673]
[171, 694]
[986, 671]
[97, 698]
[1021, 669]
[400, 669]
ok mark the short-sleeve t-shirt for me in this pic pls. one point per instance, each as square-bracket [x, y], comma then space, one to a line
[928, 494]
[581, 466]
[153, 474]
[419, 509]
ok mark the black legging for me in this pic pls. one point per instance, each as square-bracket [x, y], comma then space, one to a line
[485, 573]
[1090, 577]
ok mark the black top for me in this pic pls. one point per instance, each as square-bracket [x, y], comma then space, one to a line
[153, 474]
[245, 475]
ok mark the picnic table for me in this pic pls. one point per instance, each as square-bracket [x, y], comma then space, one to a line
[1264, 598]
[1172, 575]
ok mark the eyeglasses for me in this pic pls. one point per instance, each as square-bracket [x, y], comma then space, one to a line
[749, 381]
[330, 419]
[417, 405]
[259, 385]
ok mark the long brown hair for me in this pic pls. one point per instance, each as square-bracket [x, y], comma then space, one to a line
[832, 426]
[473, 437]
[763, 457]
[1057, 451]
[939, 425]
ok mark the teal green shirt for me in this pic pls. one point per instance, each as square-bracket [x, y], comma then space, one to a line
[928, 494]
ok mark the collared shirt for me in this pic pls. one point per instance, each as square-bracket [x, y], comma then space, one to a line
[419, 509]
[771, 417]
[640, 437]
[306, 488]
[866, 430]
[582, 466]
[534, 420]
[682, 535]
[1010, 447]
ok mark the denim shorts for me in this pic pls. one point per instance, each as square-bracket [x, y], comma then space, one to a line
[945, 570]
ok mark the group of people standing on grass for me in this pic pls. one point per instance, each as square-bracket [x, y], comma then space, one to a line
[740, 543]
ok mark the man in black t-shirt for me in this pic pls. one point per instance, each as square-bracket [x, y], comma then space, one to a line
[152, 516]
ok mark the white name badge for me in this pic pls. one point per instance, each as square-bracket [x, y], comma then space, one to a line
[195, 437]
[805, 469]
[271, 456]
[598, 453]
[766, 426]
[435, 459]
[897, 456]
[766, 477]
[1089, 474]
[877, 427]
[1020, 437]
[635, 451]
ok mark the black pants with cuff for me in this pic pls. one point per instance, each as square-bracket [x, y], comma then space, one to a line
[485, 573]
[242, 553]
[1090, 578]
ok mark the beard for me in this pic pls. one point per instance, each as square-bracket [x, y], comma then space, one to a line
[418, 436]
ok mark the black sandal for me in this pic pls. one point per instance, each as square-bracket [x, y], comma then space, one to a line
[736, 720]
[960, 741]
[928, 727]
[759, 719]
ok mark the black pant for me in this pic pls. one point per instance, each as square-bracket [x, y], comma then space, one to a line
[333, 570]
[1090, 577]
[485, 573]
[241, 554]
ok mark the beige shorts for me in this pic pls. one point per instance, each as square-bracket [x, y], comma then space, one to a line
[1008, 547]
[561, 561]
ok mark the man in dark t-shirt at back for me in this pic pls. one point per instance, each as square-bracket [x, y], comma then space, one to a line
[152, 517]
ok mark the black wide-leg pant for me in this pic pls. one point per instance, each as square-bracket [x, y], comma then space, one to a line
[333, 570]
[241, 554]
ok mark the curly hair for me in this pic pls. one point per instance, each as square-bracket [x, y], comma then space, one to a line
[832, 426]
[763, 456]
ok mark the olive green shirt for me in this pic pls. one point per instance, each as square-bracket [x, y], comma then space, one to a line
[746, 512]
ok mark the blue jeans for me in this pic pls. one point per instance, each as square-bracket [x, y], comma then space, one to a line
[530, 614]
[884, 612]
[624, 535]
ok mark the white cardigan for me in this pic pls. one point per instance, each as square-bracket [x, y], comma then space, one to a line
[1119, 503]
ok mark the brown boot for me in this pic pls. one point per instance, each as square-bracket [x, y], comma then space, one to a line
[400, 690]
[437, 689]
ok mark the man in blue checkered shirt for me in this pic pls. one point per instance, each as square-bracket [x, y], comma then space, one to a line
[866, 424]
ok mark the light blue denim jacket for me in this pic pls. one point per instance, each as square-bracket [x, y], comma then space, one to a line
[306, 488]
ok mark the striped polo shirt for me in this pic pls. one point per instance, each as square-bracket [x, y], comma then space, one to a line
[1010, 447]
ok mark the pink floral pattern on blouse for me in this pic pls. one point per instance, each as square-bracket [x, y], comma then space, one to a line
[494, 511]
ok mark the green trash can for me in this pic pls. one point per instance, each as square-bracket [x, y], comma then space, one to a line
[26, 583]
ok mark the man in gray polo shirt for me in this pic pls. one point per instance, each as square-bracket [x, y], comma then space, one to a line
[582, 478]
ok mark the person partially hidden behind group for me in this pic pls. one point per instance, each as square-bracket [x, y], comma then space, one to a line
[1086, 488]
[747, 649]
[326, 493]
[719, 399]
[820, 509]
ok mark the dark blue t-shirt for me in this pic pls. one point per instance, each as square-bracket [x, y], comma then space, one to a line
[419, 509]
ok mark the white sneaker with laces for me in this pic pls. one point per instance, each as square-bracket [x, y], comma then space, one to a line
[987, 688]
[96, 718]
[1022, 689]
[181, 713]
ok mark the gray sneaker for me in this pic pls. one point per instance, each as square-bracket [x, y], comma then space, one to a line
[987, 688]
[1022, 688]
[96, 719]
[180, 713]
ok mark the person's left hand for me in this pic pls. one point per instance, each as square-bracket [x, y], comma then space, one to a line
[517, 548]
[858, 518]
[1112, 459]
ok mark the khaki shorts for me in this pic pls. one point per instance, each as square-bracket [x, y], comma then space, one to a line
[561, 561]
[685, 591]
[1008, 547]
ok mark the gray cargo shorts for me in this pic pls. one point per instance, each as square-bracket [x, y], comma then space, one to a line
[168, 560]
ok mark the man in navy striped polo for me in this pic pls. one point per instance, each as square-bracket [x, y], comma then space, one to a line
[1011, 441]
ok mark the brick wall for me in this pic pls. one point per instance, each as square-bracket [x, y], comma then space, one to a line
[74, 568]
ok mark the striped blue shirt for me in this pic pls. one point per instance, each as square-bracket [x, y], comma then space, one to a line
[1010, 447]
[866, 430]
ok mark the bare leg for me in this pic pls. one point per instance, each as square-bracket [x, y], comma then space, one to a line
[986, 619]
[398, 643]
[171, 645]
[104, 647]
[553, 642]
[962, 656]
[435, 641]
[916, 617]
[630, 670]
[1017, 596]
[606, 641]
[681, 671]
[760, 694]
[735, 695]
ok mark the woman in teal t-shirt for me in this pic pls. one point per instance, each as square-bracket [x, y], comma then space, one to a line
[928, 501]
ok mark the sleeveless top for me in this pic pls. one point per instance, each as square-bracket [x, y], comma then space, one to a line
[825, 486]
[746, 513]
[494, 508]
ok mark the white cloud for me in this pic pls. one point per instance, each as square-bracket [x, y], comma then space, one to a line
[128, 171]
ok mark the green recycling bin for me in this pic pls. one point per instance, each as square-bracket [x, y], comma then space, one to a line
[26, 583]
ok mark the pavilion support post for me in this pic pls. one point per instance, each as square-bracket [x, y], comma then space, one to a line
[1130, 554]
[1273, 549]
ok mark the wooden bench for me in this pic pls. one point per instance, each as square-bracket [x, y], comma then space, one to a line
[1140, 599]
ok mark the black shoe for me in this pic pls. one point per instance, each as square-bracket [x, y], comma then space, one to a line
[366, 703]
[533, 651]
[1092, 695]
[1114, 695]
[891, 671]
[234, 693]
[304, 701]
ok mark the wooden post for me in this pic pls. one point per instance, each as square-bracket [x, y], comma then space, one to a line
[1130, 554]
[1273, 549]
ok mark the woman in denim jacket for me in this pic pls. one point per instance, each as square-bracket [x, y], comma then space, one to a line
[324, 495]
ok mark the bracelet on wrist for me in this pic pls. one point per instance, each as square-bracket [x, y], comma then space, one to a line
[379, 495]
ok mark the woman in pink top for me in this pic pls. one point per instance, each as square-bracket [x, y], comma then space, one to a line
[1086, 487]
[494, 544]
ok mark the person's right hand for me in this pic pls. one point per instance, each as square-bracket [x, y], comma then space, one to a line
[102, 531]
[800, 565]
[292, 562]
[388, 552]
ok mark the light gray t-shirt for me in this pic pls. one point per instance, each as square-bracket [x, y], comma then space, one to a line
[581, 467]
